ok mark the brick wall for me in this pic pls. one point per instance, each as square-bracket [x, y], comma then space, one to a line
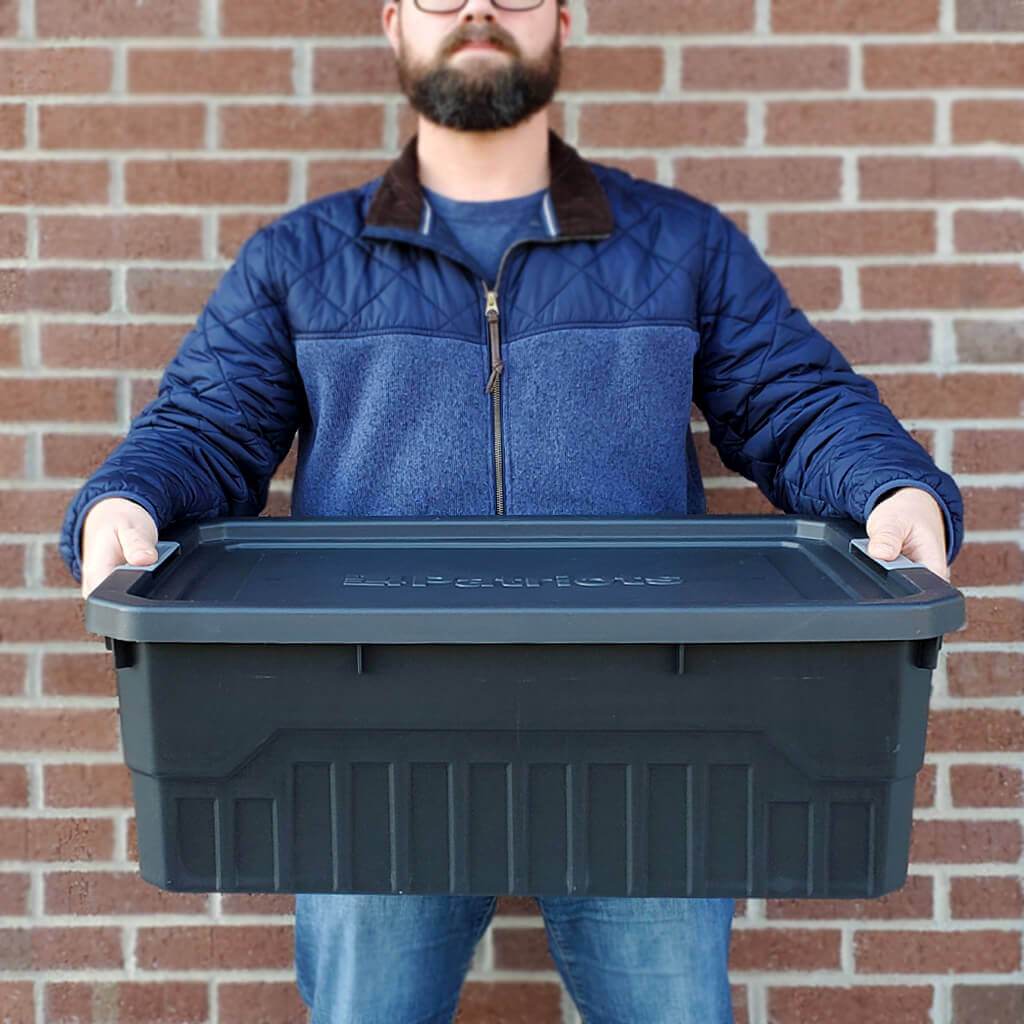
[874, 151]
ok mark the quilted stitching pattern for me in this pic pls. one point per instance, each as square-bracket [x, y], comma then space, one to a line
[784, 407]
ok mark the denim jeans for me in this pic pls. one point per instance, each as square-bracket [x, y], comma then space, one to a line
[383, 959]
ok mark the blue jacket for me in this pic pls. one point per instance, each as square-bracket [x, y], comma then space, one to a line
[357, 320]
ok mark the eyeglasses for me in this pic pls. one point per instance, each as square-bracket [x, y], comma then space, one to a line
[451, 6]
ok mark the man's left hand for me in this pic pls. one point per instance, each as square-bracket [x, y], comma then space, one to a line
[909, 522]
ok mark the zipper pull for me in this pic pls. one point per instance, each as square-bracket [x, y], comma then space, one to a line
[492, 381]
[492, 305]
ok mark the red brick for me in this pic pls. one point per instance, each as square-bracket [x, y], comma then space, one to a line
[33, 511]
[980, 898]
[967, 395]
[170, 291]
[522, 949]
[12, 456]
[86, 785]
[738, 501]
[993, 508]
[986, 16]
[989, 231]
[302, 18]
[517, 906]
[302, 126]
[759, 179]
[258, 903]
[29, 71]
[210, 70]
[260, 1002]
[16, 996]
[756, 68]
[234, 229]
[813, 288]
[964, 842]
[128, 1002]
[510, 1002]
[996, 1004]
[57, 290]
[328, 176]
[924, 786]
[850, 122]
[943, 286]
[985, 674]
[12, 125]
[75, 455]
[132, 840]
[852, 232]
[996, 564]
[986, 785]
[993, 620]
[9, 21]
[10, 352]
[122, 126]
[944, 66]
[912, 952]
[12, 565]
[854, 16]
[14, 895]
[858, 1004]
[142, 392]
[13, 785]
[945, 177]
[54, 182]
[612, 69]
[55, 572]
[784, 949]
[988, 121]
[108, 892]
[975, 729]
[355, 69]
[112, 237]
[110, 346]
[13, 668]
[13, 245]
[914, 900]
[644, 125]
[60, 729]
[664, 16]
[56, 839]
[43, 398]
[117, 18]
[204, 182]
[220, 947]
[79, 675]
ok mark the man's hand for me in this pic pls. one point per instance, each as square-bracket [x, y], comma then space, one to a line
[909, 522]
[115, 531]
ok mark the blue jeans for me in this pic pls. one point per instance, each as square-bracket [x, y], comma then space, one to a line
[382, 959]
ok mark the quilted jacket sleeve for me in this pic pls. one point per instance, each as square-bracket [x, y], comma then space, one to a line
[224, 417]
[786, 410]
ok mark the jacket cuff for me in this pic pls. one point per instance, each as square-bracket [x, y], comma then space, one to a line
[891, 485]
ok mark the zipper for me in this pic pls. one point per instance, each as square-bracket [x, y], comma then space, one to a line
[493, 386]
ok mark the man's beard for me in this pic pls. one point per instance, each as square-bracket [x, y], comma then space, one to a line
[483, 99]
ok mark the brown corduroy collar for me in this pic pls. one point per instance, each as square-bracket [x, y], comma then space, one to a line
[580, 203]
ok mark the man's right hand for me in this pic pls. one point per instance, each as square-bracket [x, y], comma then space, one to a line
[115, 531]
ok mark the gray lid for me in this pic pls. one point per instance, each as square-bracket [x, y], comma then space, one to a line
[521, 579]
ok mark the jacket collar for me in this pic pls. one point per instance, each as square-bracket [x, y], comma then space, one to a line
[579, 200]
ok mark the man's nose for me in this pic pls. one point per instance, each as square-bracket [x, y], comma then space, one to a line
[477, 9]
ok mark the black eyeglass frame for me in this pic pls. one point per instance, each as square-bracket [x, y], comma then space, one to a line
[497, 3]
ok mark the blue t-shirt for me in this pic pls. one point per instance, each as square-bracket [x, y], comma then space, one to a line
[486, 229]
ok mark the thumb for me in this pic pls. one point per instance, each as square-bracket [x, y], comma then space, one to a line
[886, 542]
[137, 548]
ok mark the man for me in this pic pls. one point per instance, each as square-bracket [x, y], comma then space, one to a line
[497, 326]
